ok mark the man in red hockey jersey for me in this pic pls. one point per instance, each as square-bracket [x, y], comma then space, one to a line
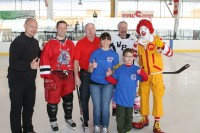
[56, 67]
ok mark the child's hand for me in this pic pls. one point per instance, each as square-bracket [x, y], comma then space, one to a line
[94, 64]
[109, 72]
[138, 71]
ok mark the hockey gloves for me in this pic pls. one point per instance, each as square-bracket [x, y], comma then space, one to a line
[49, 84]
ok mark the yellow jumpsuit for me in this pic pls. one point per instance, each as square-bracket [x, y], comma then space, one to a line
[151, 61]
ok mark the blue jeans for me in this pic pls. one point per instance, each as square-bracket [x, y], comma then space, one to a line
[85, 93]
[101, 97]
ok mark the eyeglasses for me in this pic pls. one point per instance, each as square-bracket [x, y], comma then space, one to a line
[129, 56]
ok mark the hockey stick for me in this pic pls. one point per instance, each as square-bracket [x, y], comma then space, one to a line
[178, 71]
[81, 111]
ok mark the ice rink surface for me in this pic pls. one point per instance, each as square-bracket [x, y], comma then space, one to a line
[181, 101]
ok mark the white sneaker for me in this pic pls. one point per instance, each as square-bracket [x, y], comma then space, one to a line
[105, 130]
[96, 129]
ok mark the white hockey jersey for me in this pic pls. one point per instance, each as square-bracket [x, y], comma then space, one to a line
[118, 44]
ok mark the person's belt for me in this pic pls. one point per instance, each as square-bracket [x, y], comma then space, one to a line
[83, 70]
[153, 73]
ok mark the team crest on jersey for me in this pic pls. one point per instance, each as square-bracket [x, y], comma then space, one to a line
[110, 59]
[64, 58]
[133, 76]
[151, 46]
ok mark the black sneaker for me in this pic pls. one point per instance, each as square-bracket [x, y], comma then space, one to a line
[114, 112]
[86, 124]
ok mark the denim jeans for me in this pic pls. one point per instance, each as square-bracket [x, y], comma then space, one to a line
[101, 98]
[85, 93]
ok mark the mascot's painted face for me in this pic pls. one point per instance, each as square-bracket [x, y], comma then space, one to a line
[144, 32]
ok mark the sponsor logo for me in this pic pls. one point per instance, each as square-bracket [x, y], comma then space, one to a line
[110, 59]
[151, 46]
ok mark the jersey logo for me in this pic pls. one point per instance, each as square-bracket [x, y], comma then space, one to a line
[123, 46]
[64, 58]
[133, 76]
[151, 47]
[110, 59]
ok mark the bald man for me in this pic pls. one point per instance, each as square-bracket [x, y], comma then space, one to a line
[24, 53]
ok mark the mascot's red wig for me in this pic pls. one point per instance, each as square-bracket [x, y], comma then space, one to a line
[147, 23]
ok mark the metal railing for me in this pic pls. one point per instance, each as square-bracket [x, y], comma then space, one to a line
[7, 35]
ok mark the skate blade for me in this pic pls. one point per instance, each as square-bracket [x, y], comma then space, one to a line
[54, 131]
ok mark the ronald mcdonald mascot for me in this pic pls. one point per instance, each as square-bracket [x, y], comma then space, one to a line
[149, 49]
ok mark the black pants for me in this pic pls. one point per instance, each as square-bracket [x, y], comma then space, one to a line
[22, 97]
[85, 93]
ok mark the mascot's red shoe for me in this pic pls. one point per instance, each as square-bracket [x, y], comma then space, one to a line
[156, 127]
[139, 125]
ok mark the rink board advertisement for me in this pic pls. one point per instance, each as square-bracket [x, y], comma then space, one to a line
[23, 14]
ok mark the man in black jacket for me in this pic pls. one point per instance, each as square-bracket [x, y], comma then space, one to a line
[24, 53]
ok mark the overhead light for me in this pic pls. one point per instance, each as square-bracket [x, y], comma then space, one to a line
[79, 3]
[170, 2]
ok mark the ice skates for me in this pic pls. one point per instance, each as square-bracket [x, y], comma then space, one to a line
[85, 124]
[54, 126]
[70, 123]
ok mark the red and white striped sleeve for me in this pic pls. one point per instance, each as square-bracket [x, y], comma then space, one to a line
[45, 69]
[167, 51]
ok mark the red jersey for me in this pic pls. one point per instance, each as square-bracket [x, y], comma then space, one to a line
[84, 49]
[56, 56]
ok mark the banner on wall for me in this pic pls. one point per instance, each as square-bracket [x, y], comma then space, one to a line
[176, 2]
[22, 14]
[137, 14]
